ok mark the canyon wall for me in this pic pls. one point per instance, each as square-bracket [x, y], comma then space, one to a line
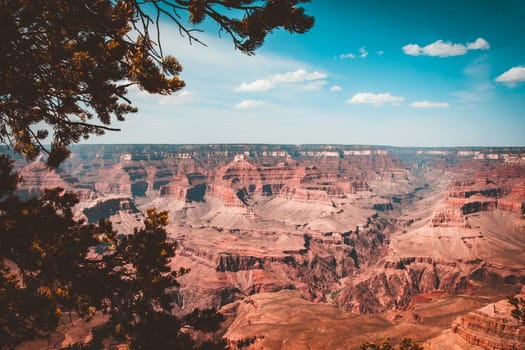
[364, 229]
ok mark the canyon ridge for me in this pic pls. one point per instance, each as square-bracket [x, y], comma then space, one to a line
[321, 246]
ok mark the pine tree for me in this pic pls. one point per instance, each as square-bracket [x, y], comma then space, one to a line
[67, 63]
[46, 271]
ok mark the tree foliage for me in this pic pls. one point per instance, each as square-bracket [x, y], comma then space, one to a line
[52, 263]
[405, 344]
[67, 64]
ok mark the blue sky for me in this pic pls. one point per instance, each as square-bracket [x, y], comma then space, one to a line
[400, 73]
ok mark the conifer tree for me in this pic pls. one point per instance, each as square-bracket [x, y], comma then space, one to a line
[65, 70]
[52, 263]
[66, 65]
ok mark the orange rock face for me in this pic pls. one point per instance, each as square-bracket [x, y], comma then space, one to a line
[448, 217]
[36, 177]
[228, 195]
[491, 327]
[366, 229]
[515, 201]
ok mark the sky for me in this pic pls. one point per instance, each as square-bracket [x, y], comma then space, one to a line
[399, 73]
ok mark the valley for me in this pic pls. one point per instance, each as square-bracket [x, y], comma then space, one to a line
[322, 246]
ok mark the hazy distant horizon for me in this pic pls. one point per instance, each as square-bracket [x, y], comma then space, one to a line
[289, 144]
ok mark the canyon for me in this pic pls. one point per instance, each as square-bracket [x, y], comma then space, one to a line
[323, 246]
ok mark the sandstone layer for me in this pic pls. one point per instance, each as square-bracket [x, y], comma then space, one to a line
[347, 230]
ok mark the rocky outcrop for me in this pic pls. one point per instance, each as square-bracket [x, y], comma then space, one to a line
[305, 195]
[473, 195]
[113, 188]
[358, 186]
[515, 201]
[448, 217]
[235, 263]
[513, 205]
[312, 269]
[225, 194]
[36, 177]
[491, 327]
[104, 209]
[473, 204]
[176, 191]
[480, 186]
[394, 286]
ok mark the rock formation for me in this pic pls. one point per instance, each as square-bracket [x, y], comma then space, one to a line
[363, 229]
[489, 327]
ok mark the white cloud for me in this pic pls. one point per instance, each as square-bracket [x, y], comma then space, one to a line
[442, 48]
[315, 85]
[375, 99]
[299, 75]
[479, 44]
[412, 49]
[142, 97]
[438, 48]
[257, 85]
[380, 52]
[249, 104]
[428, 104]
[336, 88]
[513, 76]
[362, 53]
[346, 55]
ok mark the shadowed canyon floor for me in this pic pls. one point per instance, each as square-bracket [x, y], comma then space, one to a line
[321, 246]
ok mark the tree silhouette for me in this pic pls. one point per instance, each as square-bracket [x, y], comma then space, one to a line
[49, 266]
[41, 253]
[405, 344]
[67, 63]
[66, 69]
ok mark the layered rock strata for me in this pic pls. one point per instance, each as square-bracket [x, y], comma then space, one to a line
[491, 327]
